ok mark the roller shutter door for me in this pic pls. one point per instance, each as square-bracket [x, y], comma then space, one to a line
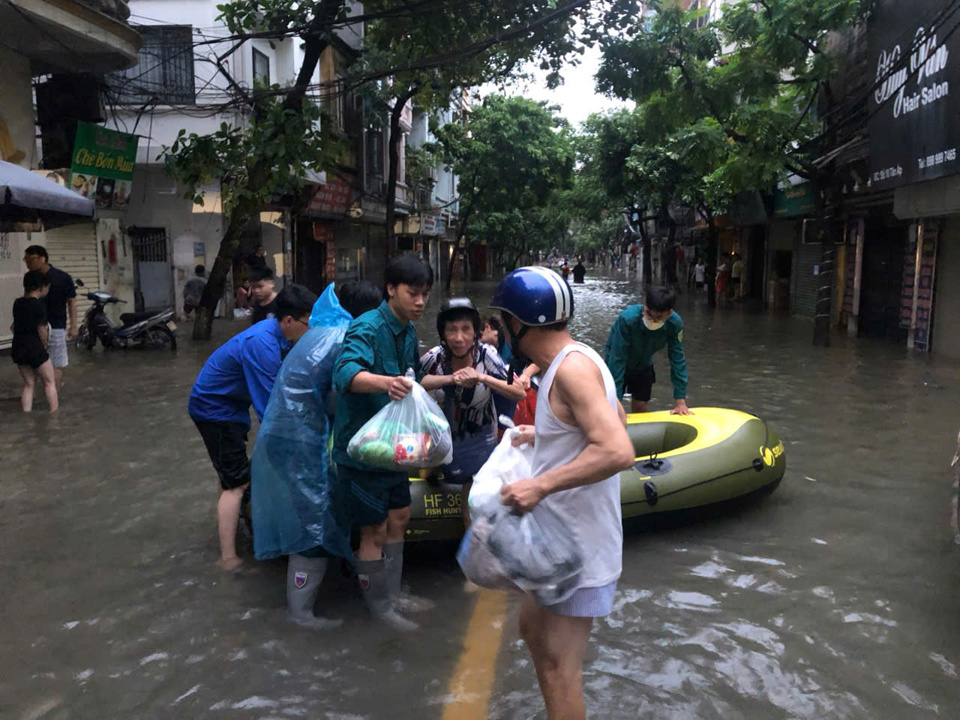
[73, 249]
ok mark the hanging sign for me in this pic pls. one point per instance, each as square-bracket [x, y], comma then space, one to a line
[102, 165]
[915, 55]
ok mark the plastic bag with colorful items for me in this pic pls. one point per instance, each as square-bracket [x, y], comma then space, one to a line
[406, 434]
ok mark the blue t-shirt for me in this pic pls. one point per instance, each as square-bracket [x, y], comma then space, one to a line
[239, 374]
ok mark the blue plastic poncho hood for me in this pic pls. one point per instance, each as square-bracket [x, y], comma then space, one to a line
[291, 503]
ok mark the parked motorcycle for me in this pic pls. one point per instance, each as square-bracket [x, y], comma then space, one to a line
[141, 329]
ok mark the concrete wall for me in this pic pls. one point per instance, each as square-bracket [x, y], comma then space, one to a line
[18, 131]
[946, 319]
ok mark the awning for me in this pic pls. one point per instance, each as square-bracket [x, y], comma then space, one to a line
[26, 197]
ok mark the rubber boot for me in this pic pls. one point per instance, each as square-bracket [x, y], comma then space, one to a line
[304, 576]
[403, 602]
[375, 584]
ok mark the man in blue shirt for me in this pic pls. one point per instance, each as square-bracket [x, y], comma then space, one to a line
[639, 332]
[237, 375]
[378, 349]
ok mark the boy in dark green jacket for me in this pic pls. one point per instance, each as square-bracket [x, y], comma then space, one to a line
[378, 349]
[639, 332]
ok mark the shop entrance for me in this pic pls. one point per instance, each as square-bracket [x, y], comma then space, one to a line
[884, 245]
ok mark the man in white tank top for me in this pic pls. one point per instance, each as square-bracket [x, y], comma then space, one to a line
[580, 446]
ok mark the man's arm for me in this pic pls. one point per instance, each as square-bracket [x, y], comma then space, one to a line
[579, 387]
[72, 312]
[678, 370]
[615, 352]
[261, 362]
[353, 367]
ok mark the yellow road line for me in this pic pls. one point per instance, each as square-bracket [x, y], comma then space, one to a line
[472, 682]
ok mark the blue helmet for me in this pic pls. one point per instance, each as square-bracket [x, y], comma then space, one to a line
[535, 296]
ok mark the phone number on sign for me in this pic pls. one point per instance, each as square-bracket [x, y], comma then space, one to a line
[937, 159]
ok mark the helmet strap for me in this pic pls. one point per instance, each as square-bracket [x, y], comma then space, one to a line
[515, 346]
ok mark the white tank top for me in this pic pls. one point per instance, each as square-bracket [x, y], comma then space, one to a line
[592, 512]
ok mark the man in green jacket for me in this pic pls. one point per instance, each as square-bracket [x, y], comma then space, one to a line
[639, 332]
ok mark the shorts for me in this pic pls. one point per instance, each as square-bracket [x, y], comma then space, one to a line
[366, 497]
[734, 281]
[640, 383]
[587, 602]
[700, 284]
[57, 347]
[30, 353]
[227, 445]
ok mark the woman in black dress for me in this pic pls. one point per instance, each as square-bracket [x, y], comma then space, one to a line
[29, 349]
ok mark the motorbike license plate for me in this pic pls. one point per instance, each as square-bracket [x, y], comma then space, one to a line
[172, 325]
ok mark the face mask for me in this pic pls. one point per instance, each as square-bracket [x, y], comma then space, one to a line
[653, 325]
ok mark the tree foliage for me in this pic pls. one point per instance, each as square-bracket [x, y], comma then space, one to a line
[512, 162]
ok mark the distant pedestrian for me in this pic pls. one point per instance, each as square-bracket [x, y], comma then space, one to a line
[193, 290]
[30, 337]
[240, 373]
[736, 277]
[263, 290]
[639, 332]
[257, 260]
[61, 304]
[700, 275]
[243, 299]
[565, 270]
[723, 280]
[579, 272]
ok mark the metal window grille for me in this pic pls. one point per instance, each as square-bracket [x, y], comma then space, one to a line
[164, 71]
[149, 244]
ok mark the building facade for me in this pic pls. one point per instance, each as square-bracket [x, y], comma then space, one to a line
[55, 56]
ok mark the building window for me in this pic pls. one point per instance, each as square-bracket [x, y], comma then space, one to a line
[374, 160]
[261, 68]
[164, 70]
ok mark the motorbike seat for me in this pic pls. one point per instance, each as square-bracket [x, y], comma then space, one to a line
[129, 319]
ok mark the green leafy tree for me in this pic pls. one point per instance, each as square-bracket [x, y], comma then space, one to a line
[523, 29]
[428, 47]
[509, 208]
[762, 76]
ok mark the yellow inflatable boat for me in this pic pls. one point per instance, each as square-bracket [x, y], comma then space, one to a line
[683, 463]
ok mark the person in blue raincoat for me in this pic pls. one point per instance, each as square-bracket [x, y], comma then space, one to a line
[294, 513]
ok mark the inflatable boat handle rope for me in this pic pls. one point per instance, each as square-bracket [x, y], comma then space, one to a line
[757, 465]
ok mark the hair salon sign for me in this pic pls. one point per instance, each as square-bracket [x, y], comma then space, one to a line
[914, 135]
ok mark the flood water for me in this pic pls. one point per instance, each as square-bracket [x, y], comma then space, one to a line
[838, 596]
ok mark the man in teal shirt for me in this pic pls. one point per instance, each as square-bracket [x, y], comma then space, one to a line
[639, 332]
[378, 349]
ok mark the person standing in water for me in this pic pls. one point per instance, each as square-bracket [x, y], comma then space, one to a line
[639, 332]
[580, 446]
[579, 271]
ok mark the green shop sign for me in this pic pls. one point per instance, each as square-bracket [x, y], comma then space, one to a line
[792, 201]
[102, 166]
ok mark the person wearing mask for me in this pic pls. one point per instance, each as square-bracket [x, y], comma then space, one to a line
[472, 375]
[263, 291]
[61, 305]
[638, 333]
[580, 446]
[294, 510]
[240, 373]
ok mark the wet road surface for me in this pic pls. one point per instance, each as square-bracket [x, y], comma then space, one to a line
[836, 597]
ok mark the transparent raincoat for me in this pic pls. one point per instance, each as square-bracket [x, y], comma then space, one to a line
[292, 507]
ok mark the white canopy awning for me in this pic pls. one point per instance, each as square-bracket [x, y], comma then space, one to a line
[24, 194]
